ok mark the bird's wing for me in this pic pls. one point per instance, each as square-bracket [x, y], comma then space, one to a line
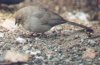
[55, 19]
[49, 18]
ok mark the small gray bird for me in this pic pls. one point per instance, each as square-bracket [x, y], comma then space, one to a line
[40, 20]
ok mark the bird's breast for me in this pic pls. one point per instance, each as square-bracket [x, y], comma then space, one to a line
[36, 26]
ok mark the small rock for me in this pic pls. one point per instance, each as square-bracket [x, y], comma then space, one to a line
[37, 39]
[82, 40]
[39, 57]
[21, 40]
[35, 52]
[81, 64]
[1, 34]
[26, 47]
[91, 41]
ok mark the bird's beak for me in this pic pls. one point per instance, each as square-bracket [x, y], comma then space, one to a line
[16, 22]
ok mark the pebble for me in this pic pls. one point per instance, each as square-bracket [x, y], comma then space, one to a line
[39, 57]
[81, 64]
[21, 40]
[26, 47]
[91, 41]
[1, 34]
[35, 52]
[82, 40]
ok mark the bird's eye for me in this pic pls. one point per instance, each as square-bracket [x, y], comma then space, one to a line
[19, 19]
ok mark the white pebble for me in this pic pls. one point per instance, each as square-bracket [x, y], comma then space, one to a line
[39, 57]
[37, 39]
[91, 41]
[82, 40]
[35, 52]
[20, 40]
[1, 34]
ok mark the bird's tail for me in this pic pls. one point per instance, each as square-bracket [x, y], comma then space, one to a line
[88, 29]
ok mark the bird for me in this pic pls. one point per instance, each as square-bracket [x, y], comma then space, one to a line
[39, 19]
[10, 2]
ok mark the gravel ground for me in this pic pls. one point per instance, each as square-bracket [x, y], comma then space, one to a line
[70, 49]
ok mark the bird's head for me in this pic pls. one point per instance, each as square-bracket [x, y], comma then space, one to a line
[18, 18]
